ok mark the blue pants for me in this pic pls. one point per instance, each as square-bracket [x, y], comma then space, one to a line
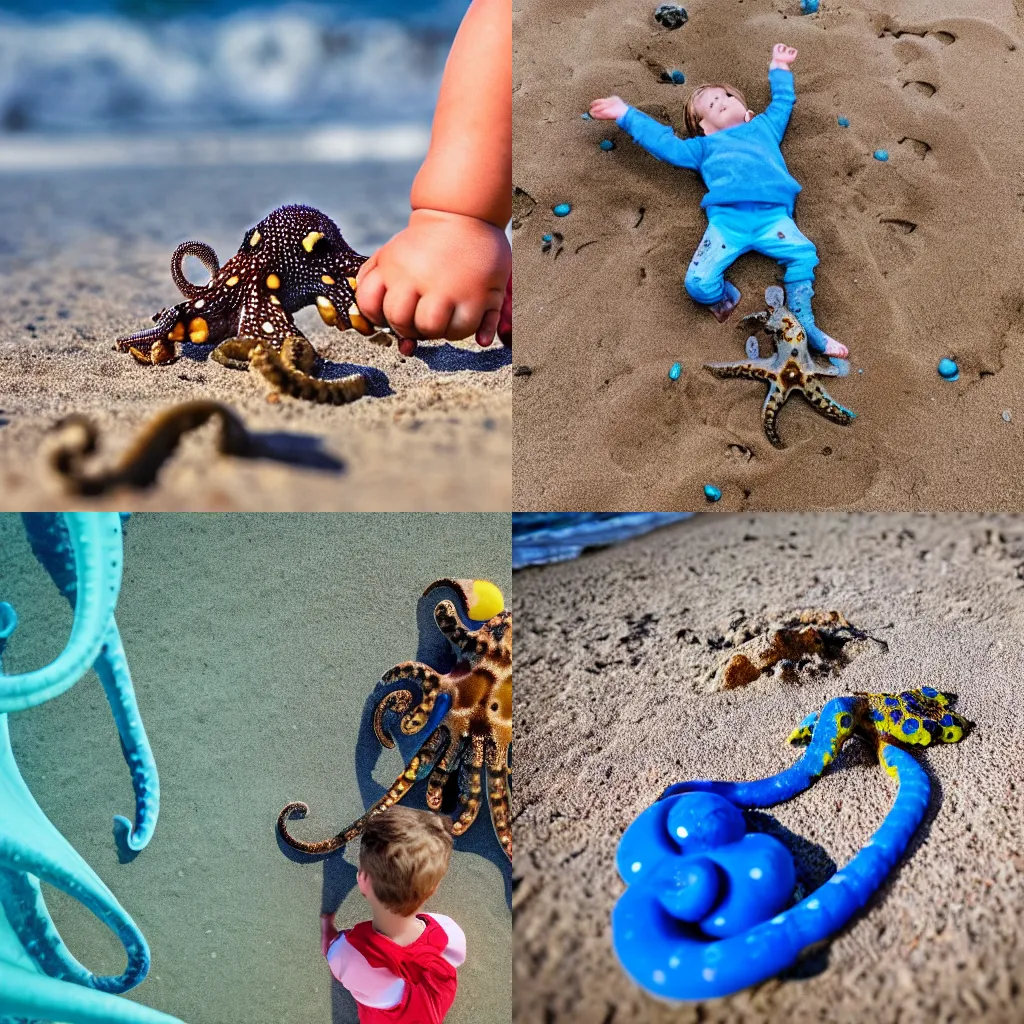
[747, 227]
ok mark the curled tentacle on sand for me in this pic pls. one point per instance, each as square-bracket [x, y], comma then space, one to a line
[703, 913]
[139, 465]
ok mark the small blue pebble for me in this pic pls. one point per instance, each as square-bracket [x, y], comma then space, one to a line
[675, 373]
[586, 117]
[678, 77]
[561, 210]
[881, 154]
[711, 492]
[546, 238]
[607, 144]
[844, 122]
[808, 6]
[948, 370]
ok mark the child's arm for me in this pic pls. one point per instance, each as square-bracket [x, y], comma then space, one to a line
[780, 78]
[445, 274]
[328, 933]
[658, 139]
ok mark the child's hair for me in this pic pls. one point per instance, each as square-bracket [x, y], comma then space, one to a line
[405, 853]
[692, 118]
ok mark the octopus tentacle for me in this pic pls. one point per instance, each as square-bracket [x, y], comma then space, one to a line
[287, 370]
[205, 254]
[442, 772]
[430, 686]
[497, 795]
[155, 344]
[397, 701]
[414, 770]
[466, 640]
[470, 787]
[140, 464]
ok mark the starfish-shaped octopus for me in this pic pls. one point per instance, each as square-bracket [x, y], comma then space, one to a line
[791, 368]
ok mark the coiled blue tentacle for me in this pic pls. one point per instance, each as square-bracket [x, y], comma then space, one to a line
[54, 544]
[661, 947]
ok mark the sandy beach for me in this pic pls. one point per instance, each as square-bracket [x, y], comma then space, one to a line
[254, 642]
[84, 254]
[615, 700]
[920, 259]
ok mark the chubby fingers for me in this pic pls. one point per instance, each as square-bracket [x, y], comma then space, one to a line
[399, 309]
[370, 292]
[488, 327]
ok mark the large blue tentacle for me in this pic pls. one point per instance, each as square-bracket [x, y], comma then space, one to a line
[98, 558]
[112, 668]
[52, 545]
[38, 852]
[835, 726]
[30, 996]
[671, 959]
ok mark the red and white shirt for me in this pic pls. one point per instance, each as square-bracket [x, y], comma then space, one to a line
[412, 984]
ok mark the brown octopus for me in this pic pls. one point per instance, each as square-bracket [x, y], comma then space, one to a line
[294, 257]
[475, 732]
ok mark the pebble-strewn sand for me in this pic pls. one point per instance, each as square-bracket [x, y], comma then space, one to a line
[920, 259]
[613, 703]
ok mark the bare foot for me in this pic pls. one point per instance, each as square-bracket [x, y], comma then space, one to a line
[328, 933]
[834, 348]
[722, 309]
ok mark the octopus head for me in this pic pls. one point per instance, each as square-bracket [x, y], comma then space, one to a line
[304, 258]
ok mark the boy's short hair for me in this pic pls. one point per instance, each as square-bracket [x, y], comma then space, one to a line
[405, 854]
[692, 119]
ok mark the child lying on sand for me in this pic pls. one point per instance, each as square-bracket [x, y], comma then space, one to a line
[447, 275]
[750, 190]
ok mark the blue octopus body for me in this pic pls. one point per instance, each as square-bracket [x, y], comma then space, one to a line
[705, 912]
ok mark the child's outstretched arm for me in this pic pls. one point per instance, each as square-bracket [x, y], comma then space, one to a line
[658, 139]
[444, 276]
[783, 95]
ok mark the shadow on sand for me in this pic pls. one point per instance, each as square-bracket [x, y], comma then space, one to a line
[339, 875]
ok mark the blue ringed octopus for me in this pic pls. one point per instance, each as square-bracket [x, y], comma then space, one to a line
[293, 258]
[709, 910]
[474, 732]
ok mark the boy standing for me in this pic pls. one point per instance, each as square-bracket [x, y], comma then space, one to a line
[399, 966]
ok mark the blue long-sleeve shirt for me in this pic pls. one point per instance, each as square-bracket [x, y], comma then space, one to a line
[742, 164]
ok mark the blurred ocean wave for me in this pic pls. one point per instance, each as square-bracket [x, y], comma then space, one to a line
[77, 67]
[542, 537]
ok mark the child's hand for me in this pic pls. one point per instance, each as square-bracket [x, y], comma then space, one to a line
[444, 276]
[328, 933]
[782, 57]
[611, 108]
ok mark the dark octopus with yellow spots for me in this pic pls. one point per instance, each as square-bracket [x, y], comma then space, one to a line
[475, 732]
[293, 258]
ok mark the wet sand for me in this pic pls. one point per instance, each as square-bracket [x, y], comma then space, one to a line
[920, 259]
[254, 643]
[614, 703]
[84, 255]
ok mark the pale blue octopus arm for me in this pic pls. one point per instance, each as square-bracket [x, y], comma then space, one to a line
[54, 545]
[112, 668]
[98, 558]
